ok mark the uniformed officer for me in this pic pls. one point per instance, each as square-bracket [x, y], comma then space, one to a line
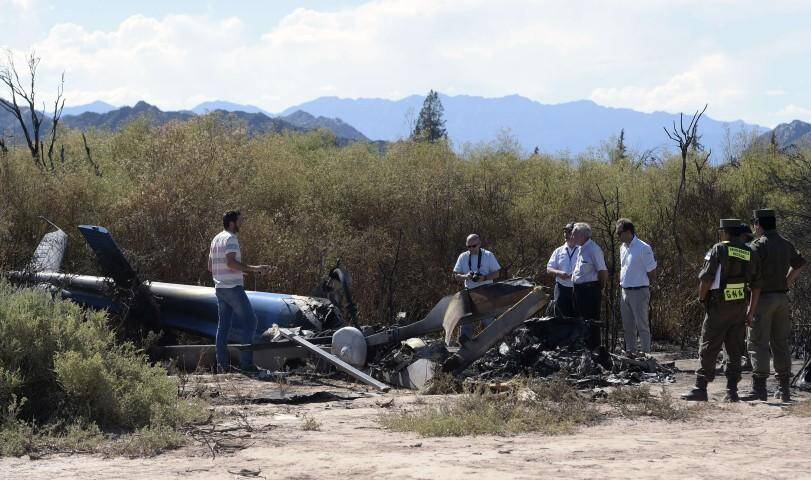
[746, 234]
[729, 268]
[780, 265]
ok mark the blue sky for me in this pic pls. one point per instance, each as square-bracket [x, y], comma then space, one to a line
[749, 59]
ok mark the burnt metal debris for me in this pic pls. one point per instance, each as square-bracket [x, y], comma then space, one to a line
[539, 347]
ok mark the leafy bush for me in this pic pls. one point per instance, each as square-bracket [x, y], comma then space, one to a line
[60, 367]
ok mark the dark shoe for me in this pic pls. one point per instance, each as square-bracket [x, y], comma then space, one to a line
[697, 394]
[732, 390]
[783, 392]
[758, 391]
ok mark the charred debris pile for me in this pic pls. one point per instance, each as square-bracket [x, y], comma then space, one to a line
[541, 347]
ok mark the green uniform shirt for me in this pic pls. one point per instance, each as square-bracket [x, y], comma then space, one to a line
[776, 255]
[739, 268]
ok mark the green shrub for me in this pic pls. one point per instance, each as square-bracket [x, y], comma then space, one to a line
[60, 367]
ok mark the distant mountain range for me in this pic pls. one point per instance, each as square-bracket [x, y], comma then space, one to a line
[795, 133]
[208, 107]
[94, 107]
[574, 126]
[94, 116]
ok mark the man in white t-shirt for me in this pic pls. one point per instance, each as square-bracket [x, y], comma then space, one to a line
[475, 267]
[638, 267]
[561, 264]
[227, 270]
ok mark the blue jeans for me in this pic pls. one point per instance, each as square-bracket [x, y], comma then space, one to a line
[234, 302]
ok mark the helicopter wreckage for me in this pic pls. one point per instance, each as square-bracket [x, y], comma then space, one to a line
[293, 330]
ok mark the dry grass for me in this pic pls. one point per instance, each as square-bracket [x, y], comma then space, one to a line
[310, 424]
[442, 384]
[550, 407]
[640, 402]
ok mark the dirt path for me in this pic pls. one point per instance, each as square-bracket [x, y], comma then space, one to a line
[730, 441]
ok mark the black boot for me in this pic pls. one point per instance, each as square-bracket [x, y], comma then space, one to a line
[697, 394]
[758, 391]
[783, 392]
[732, 390]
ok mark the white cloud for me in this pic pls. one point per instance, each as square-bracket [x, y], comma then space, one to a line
[792, 112]
[16, 5]
[715, 79]
[549, 51]
[775, 92]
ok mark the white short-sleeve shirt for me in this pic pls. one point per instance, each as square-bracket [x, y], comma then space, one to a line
[467, 263]
[224, 243]
[563, 258]
[636, 260]
[589, 261]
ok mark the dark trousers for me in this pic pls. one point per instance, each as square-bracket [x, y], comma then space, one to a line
[587, 300]
[564, 301]
[724, 325]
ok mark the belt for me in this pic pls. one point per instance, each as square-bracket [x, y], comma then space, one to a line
[635, 288]
[772, 292]
[588, 284]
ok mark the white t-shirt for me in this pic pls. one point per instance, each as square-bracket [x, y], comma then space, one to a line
[636, 261]
[467, 263]
[224, 243]
[563, 259]
[589, 261]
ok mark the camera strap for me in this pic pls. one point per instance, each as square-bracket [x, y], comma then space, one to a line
[478, 261]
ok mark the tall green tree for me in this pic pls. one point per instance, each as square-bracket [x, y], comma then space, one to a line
[430, 124]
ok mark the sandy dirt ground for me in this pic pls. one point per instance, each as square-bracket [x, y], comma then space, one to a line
[745, 440]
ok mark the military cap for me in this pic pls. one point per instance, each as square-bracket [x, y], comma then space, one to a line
[763, 213]
[729, 223]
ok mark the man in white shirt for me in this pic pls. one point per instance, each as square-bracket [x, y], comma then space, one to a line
[227, 269]
[475, 267]
[589, 277]
[561, 264]
[637, 270]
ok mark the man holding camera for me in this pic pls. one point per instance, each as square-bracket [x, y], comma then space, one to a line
[475, 267]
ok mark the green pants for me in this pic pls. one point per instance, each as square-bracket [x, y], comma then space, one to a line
[724, 325]
[771, 328]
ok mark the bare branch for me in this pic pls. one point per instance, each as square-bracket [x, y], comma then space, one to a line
[90, 157]
[32, 127]
[59, 105]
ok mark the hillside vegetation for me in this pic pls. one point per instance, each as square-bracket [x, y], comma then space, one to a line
[396, 219]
